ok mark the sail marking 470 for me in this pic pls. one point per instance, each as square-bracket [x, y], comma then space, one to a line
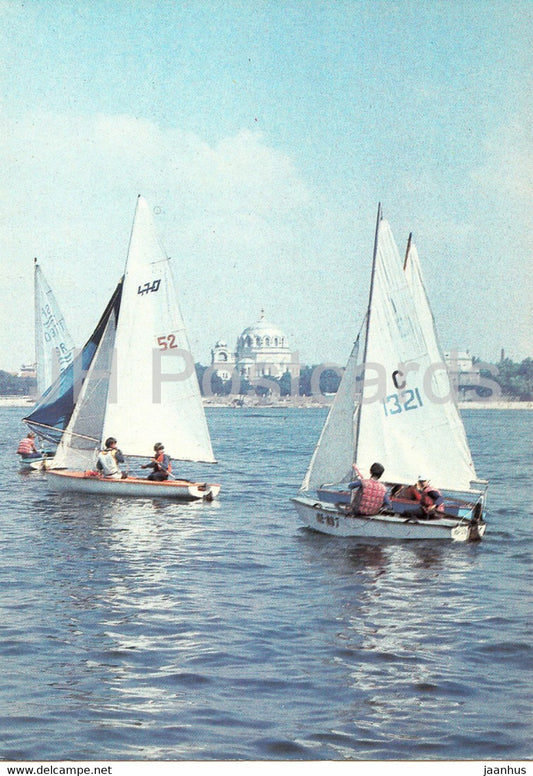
[149, 287]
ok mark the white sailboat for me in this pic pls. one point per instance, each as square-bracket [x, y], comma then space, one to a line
[54, 346]
[395, 405]
[134, 380]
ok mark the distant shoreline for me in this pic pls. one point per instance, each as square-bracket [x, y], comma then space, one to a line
[297, 402]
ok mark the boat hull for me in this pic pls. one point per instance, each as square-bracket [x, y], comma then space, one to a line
[35, 464]
[330, 519]
[180, 490]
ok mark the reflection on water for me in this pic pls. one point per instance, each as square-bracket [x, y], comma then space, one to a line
[148, 630]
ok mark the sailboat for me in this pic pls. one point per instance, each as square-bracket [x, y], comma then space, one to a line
[54, 346]
[134, 380]
[395, 405]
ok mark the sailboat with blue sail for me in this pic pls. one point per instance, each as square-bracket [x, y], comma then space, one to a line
[134, 380]
[395, 405]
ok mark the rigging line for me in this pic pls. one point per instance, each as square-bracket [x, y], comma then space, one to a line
[62, 432]
[407, 251]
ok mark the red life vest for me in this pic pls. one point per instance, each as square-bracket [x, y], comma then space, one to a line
[26, 446]
[368, 498]
[159, 458]
[427, 501]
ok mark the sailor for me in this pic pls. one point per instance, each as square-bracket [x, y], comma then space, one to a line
[27, 448]
[431, 501]
[368, 495]
[159, 463]
[108, 460]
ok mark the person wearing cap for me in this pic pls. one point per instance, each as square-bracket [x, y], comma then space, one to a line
[159, 463]
[27, 448]
[431, 501]
[108, 460]
[369, 495]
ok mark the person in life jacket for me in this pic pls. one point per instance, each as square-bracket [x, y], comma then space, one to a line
[431, 501]
[159, 463]
[368, 495]
[27, 447]
[108, 460]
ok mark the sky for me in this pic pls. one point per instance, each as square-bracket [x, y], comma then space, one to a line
[264, 133]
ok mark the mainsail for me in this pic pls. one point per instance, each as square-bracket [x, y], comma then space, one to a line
[454, 450]
[54, 347]
[139, 382]
[157, 393]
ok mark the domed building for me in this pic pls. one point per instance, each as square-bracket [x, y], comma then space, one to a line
[262, 350]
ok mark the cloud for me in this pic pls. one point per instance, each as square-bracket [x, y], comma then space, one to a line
[230, 211]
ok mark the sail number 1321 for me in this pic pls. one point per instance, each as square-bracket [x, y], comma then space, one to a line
[402, 402]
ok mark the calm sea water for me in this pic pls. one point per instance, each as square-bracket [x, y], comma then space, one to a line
[136, 629]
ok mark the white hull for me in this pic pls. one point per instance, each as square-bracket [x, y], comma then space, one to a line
[180, 490]
[329, 519]
[35, 464]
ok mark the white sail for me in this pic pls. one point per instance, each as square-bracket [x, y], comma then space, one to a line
[157, 393]
[454, 444]
[404, 419]
[333, 456]
[54, 347]
[82, 436]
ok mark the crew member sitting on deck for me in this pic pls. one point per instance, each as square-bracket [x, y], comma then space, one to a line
[160, 464]
[27, 448]
[431, 501]
[108, 460]
[368, 496]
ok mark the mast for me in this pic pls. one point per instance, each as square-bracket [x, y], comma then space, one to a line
[369, 309]
[407, 251]
[39, 354]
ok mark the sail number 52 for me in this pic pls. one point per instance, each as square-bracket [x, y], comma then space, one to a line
[402, 402]
[167, 342]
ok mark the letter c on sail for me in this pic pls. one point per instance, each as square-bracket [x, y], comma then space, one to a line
[395, 375]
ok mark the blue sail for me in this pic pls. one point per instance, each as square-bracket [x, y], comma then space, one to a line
[54, 409]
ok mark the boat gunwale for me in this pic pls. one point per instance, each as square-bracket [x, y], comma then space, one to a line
[76, 475]
[395, 519]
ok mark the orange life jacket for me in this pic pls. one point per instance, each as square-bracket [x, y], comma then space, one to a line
[26, 446]
[159, 458]
[368, 498]
[427, 501]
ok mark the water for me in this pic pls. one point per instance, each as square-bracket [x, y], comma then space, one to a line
[136, 629]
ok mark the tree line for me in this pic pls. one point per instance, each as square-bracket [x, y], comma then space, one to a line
[514, 378]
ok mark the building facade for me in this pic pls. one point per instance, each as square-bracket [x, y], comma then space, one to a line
[262, 350]
[464, 374]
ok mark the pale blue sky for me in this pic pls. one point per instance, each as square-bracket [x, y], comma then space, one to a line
[266, 133]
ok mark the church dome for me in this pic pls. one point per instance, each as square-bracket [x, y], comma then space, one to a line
[262, 334]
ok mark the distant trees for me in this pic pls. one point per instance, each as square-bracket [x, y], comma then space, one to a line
[515, 381]
[11, 385]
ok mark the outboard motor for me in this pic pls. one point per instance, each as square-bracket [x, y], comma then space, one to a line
[475, 522]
